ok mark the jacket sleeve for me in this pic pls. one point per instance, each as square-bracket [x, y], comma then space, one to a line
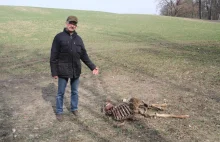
[85, 58]
[54, 56]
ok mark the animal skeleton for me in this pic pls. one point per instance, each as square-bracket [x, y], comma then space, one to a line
[127, 110]
[119, 112]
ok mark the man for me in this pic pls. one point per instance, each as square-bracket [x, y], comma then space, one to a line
[66, 52]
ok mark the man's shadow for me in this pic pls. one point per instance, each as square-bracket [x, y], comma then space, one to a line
[49, 95]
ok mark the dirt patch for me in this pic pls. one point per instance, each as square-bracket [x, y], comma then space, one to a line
[28, 105]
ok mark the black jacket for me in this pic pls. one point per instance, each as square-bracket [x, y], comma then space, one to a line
[66, 52]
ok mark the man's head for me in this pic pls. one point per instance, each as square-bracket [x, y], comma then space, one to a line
[71, 23]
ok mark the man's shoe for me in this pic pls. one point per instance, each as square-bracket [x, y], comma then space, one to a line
[75, 112]
[59, 117]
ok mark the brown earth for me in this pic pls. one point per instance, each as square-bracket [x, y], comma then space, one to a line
[27, 106]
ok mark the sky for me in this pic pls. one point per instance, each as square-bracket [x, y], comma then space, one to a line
[113, 6]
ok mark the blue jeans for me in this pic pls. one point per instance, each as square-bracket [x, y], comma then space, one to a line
[62, 82]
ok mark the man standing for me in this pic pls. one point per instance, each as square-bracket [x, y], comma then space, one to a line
[66, 52]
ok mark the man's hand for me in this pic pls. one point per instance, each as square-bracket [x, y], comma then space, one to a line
[55, 77]
[95, 71]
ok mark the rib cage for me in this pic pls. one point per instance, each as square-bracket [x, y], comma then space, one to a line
[120, 112]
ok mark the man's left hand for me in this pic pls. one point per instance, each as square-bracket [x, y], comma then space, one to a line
[95, 71]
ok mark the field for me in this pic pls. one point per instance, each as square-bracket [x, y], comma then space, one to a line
[157, 59]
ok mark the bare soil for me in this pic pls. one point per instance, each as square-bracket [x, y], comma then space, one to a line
[27, 106]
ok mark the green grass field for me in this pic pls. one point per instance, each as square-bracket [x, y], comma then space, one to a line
[165, 47]
[179, 51]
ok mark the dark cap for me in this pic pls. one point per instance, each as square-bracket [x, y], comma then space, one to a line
[72, 18]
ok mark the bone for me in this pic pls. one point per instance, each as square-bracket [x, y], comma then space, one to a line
[168, 115]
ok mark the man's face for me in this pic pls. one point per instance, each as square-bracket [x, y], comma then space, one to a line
[71, 26]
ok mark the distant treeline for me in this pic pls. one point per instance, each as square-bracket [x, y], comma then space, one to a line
[202, 9]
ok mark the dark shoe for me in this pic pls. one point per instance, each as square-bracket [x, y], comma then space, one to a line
[75, 112]
[59, 117]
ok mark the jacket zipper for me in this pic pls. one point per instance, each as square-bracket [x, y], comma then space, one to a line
[71, 45]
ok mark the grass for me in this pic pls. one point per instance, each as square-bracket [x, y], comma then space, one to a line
[170, 48]
[165, 47]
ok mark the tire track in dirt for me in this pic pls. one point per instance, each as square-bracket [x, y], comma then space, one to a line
[23, 64]
[5, 114]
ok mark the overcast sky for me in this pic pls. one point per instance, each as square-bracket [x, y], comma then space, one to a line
[114, 6]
